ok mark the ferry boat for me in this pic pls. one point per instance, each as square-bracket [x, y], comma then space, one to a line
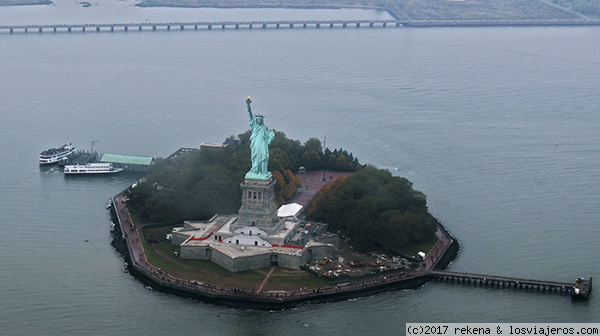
[91, 169]
[581, 289]
[53, 155]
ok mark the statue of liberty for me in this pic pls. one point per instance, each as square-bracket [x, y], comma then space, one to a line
[259, 146]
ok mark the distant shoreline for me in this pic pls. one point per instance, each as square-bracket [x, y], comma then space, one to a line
[487, 22]
[498, 23]
[153, 4]
[26, 3]
[400, 18]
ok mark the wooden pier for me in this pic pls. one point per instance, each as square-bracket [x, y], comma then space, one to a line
[502, 282]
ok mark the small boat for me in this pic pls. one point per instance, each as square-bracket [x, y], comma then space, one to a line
[53, 155]
[91, 169]
[581, 289]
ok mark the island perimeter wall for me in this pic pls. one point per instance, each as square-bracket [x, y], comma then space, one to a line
[127, 241]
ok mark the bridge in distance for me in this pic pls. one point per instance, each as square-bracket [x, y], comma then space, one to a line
[153, 26]
[168, 26]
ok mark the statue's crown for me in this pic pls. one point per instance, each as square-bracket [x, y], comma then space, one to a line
[260, 116]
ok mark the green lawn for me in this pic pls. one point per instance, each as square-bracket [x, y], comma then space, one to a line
[424, 246]
[162, 256]
[293, 280]
[135, 218]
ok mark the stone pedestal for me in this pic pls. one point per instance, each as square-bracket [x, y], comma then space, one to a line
[258, 204]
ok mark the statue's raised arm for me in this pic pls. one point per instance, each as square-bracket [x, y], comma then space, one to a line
[248, 102]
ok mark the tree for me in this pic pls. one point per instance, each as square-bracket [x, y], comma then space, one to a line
[305, 161]
[341, 163]
[331, 161]
[279, 186]
[313, 145]
[315, 160]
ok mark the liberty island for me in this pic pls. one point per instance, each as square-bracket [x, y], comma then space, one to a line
[262, 236]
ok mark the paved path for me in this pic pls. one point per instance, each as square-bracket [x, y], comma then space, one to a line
[130, 232]
[311, 183]
[264, 282]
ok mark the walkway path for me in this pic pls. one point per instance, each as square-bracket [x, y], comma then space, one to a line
[129, 230]
[264, 282]
[311, 183]
[131, 234]
[438, 250]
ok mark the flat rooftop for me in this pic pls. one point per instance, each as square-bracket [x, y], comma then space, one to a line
[127, 159]
[204, 229]
[238, 251]
[288, 225]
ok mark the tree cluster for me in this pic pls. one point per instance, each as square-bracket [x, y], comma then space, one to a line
[375, 210]
[199, 184]
[193, 185]
[293, 155]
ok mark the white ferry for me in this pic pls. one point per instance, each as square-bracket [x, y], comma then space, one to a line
[91, 168]
[54, 155]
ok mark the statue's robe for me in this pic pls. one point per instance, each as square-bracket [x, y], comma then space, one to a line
[259, 145]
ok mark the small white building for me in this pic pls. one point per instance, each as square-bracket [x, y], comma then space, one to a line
[289, 210]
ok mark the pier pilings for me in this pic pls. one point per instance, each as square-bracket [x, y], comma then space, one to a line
[483, 280]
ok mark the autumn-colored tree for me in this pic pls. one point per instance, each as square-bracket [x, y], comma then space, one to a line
[279, 186]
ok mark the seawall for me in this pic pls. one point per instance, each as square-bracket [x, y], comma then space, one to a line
[126, 241]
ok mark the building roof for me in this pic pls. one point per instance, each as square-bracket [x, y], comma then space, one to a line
[127, 159]
[289, 210]
[237, 251]
[232, 142]
[206, 145]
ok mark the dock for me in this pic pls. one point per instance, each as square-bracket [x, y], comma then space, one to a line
[502, 282]
[79, 157]
[127, 162]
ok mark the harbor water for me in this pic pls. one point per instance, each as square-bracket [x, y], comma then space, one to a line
[497, 126]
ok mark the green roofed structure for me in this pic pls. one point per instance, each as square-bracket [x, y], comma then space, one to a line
[129, 162]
